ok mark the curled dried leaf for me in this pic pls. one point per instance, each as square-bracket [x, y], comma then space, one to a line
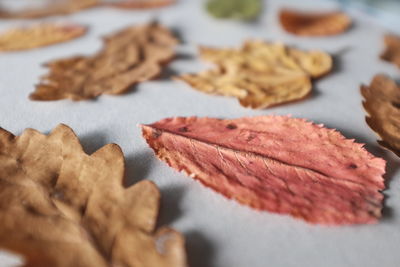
[39, 35]
[52, 8]
[314, 24]
[382, 102]
[133, 55]
[62, 207]
[276, 163]
[260, 74]
[392, 50]
[142, 4]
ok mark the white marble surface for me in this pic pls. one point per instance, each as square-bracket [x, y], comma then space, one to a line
[219, 232]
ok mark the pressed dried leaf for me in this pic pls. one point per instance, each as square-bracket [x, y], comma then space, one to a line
[142, 4]
[53, 7]
[260, 74]
[392, 51]
[62, 207]
[133, 55]
[234, 9]
[39, 35]
[382, 102]
[276, 163]
[314, 24]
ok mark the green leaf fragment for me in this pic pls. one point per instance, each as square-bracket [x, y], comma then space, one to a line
[234, 9]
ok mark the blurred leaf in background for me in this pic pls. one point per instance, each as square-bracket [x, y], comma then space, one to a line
[234, 9]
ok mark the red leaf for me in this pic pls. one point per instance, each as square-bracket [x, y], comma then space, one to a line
[276, 163]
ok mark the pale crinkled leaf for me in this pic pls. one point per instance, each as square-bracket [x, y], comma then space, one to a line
[260, 74]
[276, 163]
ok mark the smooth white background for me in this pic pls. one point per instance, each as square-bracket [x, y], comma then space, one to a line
[219, 232]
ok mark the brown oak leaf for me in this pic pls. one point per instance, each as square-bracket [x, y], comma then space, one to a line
[142, 4]
[382, 102]
[260, 74]
[314, 24]
[133, 55]
[62, 207]
[392, 51]
[276, 163]
[39, 35]
[51, 8]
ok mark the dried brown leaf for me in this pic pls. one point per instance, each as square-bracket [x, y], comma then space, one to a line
[260, 74]
[53, 7]
[382, 102]
[392, 50]
[276, 163]
[133, 55]
[314, 24]
[62, 207]
[39, 35]
[142, 4]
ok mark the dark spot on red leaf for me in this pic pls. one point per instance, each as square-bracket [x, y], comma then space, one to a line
[250, 137]
[353, 166]
[183, 129]
[231, 126]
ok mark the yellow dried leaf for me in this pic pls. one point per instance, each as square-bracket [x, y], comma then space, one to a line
[260, 74]
[392, 50]
[39, 35]
[382, 102]
[314, 24]
[62, 207]
[53, 7]
[133, 55]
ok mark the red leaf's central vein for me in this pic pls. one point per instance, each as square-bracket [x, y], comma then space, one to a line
[330, 178]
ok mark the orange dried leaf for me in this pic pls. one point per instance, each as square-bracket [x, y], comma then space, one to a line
[276, 163]
[142, 4]
[62, 207]
[39, 35]
[260, 74]
[392, 51]
[382, 102]
[131, 56]
[53, 8]
[314, 24]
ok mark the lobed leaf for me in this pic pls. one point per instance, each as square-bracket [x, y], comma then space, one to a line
[62, 207]
[382, 103]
